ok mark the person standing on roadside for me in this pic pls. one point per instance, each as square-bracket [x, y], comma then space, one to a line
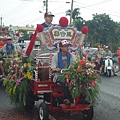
[118, 53]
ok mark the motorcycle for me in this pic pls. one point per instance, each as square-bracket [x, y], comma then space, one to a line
[108, 66]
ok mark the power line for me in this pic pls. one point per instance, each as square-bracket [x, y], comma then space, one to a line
[13, 10]
[17, 10]
[99, 3]
[96, 7]
[33, 20]
[97, 10]
[20, 17]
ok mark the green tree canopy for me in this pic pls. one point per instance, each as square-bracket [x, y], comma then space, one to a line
[75, 13]
[102, 30]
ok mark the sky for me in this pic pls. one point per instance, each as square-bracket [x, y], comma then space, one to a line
[24, 12]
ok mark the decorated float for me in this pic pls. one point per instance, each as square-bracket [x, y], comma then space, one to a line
[2, 38]
[4, 33]
[27, 82]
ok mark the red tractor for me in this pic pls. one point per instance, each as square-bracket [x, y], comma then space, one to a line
[44, 89]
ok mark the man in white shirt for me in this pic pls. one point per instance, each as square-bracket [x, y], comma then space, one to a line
[62, 60]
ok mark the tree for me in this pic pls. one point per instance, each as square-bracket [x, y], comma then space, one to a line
[79, 24]
[75, 13]
[102, 30]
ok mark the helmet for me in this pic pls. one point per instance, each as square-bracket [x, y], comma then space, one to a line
[9, 38]
[106, 47]
[64, 43]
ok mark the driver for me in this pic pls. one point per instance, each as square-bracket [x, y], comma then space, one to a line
[106, 53]
[62, 60]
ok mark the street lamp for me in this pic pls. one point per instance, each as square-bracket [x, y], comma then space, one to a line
[67, 2]
[40, 11]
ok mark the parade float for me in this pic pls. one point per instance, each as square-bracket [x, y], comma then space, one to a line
[27, 82]
[4, 33]
[2, 37]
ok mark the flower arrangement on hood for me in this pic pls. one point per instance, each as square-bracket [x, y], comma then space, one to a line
[81, 78]
[19, 74]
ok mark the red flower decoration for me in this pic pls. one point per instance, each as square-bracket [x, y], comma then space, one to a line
[40, 28]
[96, 76]
[13, 77]
[84, 29]
[82, 62]
[17, 34]
[93, 83]
[63, 22]
[67, 80]
[3, 29]
[80, 86]
[79, 69]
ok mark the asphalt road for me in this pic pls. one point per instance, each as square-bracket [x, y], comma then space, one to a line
[108, 108]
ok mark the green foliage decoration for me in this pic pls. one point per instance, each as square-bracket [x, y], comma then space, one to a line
[18, 79]
[81, 78]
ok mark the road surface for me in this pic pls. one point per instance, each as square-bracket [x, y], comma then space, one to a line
[108, 108]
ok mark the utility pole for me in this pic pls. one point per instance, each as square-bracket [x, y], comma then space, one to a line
[45, 2]
[71, 12]
[46, 6]
[1, 18]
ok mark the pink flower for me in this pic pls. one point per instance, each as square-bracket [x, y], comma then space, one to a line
[67, 80]
[18, 82]
[80, 86]
[9, 75]
[16, 65]
[25, 64]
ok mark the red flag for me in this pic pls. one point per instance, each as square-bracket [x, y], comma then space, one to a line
[39, 28]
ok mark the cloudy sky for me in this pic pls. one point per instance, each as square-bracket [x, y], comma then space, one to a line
[23, 12]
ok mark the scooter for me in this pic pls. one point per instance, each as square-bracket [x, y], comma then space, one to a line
[108, 65]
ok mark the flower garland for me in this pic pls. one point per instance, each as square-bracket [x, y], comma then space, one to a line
[81, 78]
[19, 74]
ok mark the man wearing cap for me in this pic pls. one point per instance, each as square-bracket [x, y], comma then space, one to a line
[62, 60]
[106, 53]
[9, 47]
[48, 16]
